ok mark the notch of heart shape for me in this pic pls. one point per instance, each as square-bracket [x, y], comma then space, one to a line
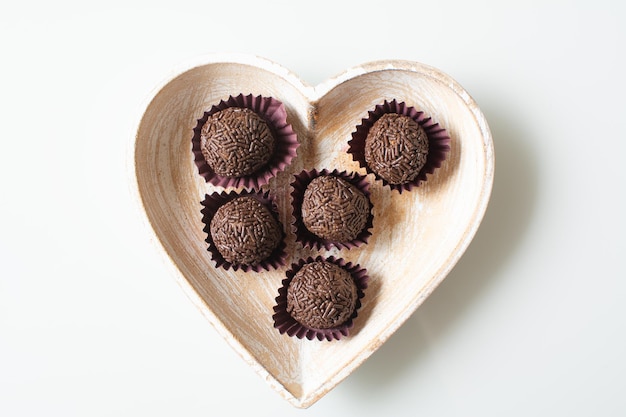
[416, 236]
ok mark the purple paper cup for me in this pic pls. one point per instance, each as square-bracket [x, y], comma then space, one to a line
[273, 112]
[213, 202]
[285, 323]
[333, 208]
[438, 141]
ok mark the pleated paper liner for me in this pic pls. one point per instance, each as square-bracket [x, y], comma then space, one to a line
[438, 141]
[305, 236]
[286, 324]
[213, 202]
[273, 112]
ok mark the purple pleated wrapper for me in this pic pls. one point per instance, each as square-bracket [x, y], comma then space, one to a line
[213, 202]
[303, 235]
[438, 141]
[286, 145]
[286, 324]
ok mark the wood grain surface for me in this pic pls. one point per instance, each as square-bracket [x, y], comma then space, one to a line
[418, 236]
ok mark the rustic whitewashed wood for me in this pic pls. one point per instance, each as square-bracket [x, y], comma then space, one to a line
[417, 236]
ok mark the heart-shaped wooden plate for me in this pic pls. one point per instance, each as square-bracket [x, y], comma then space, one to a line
[417, 236]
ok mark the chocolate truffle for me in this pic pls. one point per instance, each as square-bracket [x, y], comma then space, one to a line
[334, 209]
[244, 231]
[236, 142]
[396, 148]
[321, 295]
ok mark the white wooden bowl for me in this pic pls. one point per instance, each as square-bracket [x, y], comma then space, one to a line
[418, 236]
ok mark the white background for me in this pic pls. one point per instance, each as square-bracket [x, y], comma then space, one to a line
[531, 321]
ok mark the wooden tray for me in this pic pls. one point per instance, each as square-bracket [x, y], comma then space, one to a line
[418, 236]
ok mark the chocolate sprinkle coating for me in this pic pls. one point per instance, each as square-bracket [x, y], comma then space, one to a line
[396, 148]
[236, 142]
[334, 209]
[321, 295]
[244, 231]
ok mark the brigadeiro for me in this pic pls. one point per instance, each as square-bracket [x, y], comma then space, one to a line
[243, 141]
[399, 145]
[243, 231]
[320, 298]
[331, 208]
